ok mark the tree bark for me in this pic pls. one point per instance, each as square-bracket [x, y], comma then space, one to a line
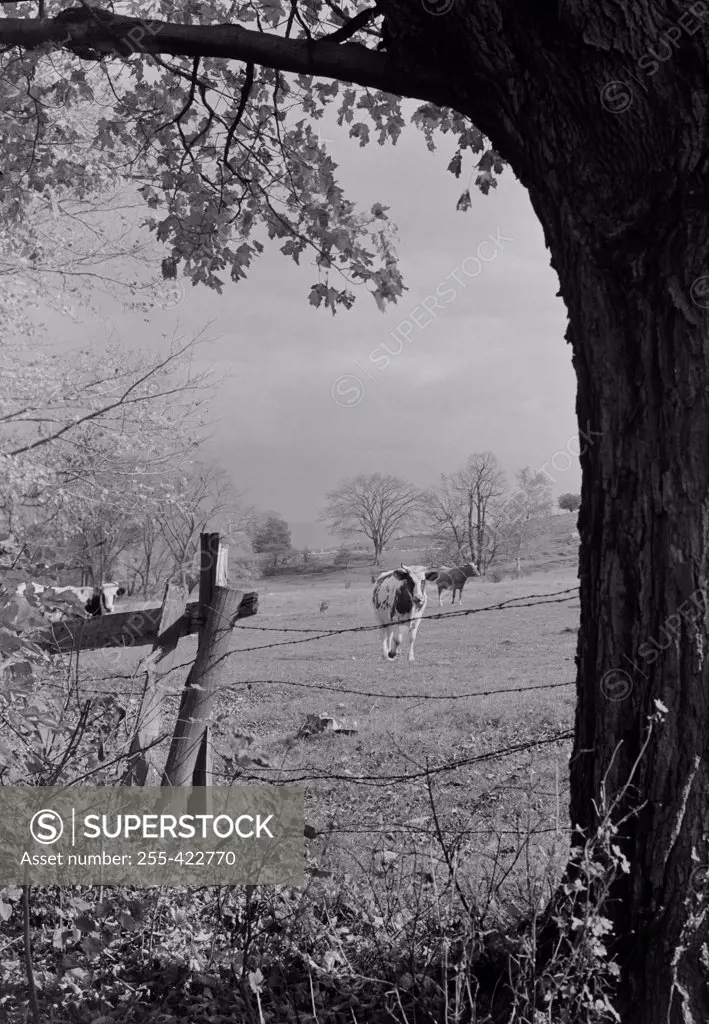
[642, 358]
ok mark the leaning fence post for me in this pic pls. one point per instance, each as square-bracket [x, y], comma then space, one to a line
[556, 787]
[141, 757]
[200, 688]
[219, 609]
[213, 558]
[202, 775]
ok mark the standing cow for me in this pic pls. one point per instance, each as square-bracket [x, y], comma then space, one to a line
[400, 596]
[454, 580]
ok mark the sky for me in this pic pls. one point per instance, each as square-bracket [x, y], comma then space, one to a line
[307, 401]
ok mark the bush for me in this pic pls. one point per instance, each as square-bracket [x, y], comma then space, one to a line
[570, 502]
[343, 558]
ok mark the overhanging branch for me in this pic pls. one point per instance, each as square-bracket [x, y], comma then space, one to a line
[99, 33]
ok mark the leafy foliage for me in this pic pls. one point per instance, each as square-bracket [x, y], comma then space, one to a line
[271, 536]
[570, 502]
[223, 155]
[90, 441]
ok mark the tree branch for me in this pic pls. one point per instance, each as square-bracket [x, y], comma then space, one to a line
[109, 35]
[127, 397]
[347, 30]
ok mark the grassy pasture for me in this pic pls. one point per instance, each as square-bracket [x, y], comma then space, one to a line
[498, 818]
[414, 878]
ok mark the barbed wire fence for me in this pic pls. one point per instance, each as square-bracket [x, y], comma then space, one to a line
[298, 776]
[381, 781]
[384, 780]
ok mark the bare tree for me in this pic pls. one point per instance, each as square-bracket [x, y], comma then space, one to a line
[480, 484]
[374, 505]
[204, 497]
[102, 536]
[458, 510]
[152, 560]
[444, 516]
[520, 515]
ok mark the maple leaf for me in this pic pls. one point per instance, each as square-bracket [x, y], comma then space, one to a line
[455, 165]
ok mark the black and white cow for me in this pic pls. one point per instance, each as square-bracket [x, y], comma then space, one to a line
[454, 580]
[92, 601]
[400, 596]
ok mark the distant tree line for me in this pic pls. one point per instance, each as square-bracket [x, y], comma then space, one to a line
[470, 514]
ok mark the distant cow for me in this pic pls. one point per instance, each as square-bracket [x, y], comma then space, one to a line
[454, 580]
[400, 596]
[324, 606]
[92, 600]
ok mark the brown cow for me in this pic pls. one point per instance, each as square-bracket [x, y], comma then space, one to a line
[454, 580]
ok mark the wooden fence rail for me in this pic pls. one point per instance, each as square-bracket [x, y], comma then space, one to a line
[213, 617]
[128, 628]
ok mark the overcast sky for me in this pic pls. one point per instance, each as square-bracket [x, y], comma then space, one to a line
[490, 370]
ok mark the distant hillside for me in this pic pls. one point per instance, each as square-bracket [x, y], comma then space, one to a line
[553, 546]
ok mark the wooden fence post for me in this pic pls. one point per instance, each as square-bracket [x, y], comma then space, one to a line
[222, 566]
[213, 573]
[213, 617]
[142, 757]
[202, 774]
[209, 559]
[197, 700]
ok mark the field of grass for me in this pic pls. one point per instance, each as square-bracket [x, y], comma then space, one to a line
[438, 821]
[410, 717]
[416, 776]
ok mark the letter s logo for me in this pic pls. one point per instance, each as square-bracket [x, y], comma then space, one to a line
[339, 392]
[46, 826]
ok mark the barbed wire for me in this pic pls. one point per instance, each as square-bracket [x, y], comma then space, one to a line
[510, 604]
[422, 697]
[554, 597]
[404, 828]
[424, 773]
[396, 696]
[502, 605]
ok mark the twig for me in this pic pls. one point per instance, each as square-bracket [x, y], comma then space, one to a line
[29, 969]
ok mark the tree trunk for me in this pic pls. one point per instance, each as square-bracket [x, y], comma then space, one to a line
[641, 352]
[615, 155]
[146, 585]
[471, 531]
